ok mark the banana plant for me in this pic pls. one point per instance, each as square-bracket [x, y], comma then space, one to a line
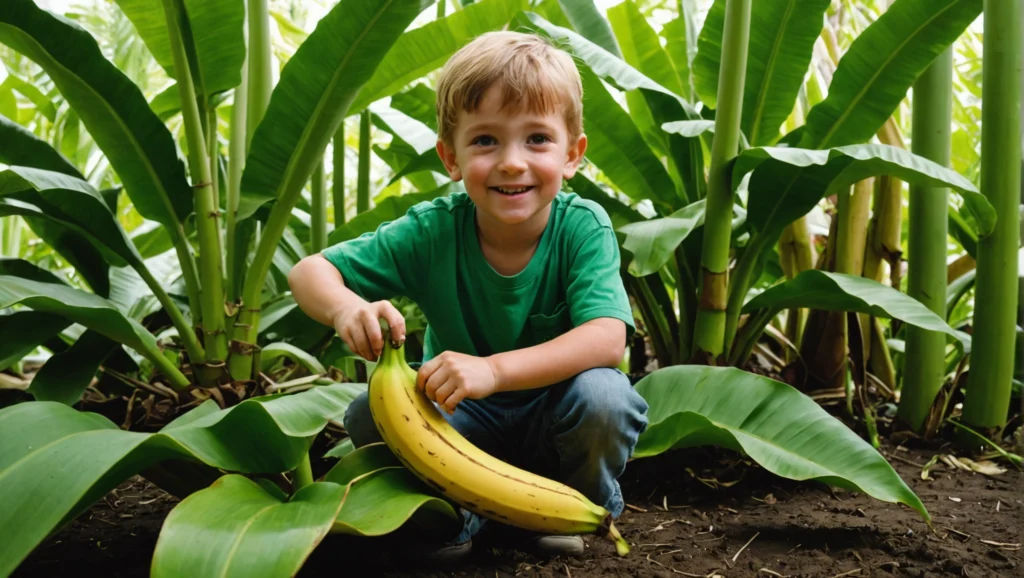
[665, 168]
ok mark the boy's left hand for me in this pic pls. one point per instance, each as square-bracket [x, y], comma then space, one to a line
[452, 377]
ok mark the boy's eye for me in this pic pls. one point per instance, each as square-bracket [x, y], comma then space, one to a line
[484, 140]
[538, 139]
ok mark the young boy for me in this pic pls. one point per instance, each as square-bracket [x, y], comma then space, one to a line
[519, 282]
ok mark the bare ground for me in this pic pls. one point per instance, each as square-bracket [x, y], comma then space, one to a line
[725, 516]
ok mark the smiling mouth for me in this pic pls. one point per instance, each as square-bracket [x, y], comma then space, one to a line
[511, 191]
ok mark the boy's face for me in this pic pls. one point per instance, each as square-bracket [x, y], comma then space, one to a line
[512, 164]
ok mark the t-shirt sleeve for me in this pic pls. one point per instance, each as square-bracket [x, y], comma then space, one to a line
[388, 262]
[595, 286]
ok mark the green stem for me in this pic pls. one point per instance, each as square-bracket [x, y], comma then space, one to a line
[338, 186]
[213, 148]
[740, 283]
[207, 214]
[709, 332]
[318, 212]
[188, 270]
[987, 397]
[260, 72]
[156, 357]
[185, 331]
[303, 474]
[236, 162]
[363, 177]
[686, 288]
[926, 243]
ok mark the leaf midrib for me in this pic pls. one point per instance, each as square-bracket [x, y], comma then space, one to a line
[878, 71]
[769, 69]
[157, 183]
[335, 79]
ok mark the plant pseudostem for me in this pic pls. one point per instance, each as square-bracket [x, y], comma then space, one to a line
[710, 332]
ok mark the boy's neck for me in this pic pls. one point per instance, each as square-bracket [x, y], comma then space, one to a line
[508, 248]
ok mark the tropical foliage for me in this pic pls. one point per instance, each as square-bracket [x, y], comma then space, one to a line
[164, 167]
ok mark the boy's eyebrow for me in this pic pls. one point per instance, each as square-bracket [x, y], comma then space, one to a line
[491, 125]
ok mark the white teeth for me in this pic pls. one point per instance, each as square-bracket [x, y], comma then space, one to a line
[512, 191]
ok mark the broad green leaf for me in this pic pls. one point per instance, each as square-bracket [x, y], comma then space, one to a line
[428, 47]
[382, 501]
[316, 89]
[881, 65]
[417, 102]
[618, 148]
[55, 461]
[641, 47]
[23, 331]
[73, 202]
[361, 461]
[957, 289]
[588, 21]
[389, 209]
[236, 528]
[815, 289]
[654, 241]
[212, 31]
[783, 430]
[375, 478]
[150, 239]
[418, 135]
[601, 117]
[619, 212]
[689, 128]
[44, 105]
[342, 449]
[167, 102]
[788, 182]
[65, 376]
[274, 351]
[84, 308]
[675, 33]
[74, 246]
[781, 46]
[18, 146]
[137, 144]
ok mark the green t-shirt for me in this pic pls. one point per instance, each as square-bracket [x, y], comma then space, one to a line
[432, 256]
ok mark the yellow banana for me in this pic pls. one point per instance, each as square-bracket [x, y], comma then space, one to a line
[434, 451]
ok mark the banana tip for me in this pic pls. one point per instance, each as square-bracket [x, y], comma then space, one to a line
[612, 533]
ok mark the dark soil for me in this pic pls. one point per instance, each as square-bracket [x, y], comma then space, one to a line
[725, 516]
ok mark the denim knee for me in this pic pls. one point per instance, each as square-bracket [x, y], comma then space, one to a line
[358, 422]
[598, 421]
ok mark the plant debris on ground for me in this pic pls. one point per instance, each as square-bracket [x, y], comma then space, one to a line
[697, 512]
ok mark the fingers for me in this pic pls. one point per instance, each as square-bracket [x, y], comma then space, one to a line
[366, 319]
[434, 383]
[443, 391]
[426, 371]
[395, 320]
[355, 337]
[451, 401]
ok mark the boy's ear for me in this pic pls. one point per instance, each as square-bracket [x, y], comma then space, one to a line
[574, 157]
[447, 154]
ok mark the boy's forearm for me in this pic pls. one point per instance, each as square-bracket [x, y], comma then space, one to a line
[319, 289]
[596, 343]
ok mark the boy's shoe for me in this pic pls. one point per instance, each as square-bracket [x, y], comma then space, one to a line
[550, 545]
[445, 553]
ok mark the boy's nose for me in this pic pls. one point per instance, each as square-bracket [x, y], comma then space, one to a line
[512, 161]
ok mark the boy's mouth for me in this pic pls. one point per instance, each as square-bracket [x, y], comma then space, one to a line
[512, 191]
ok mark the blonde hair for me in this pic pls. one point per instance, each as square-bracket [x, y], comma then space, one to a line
[525, 66]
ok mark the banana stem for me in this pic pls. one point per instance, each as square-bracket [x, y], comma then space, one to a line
[303, 474]
[207, 213]
[611, 533]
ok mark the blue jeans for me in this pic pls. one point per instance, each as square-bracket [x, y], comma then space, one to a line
[580, 432]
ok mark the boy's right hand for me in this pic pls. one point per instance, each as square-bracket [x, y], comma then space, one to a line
[359, 327]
